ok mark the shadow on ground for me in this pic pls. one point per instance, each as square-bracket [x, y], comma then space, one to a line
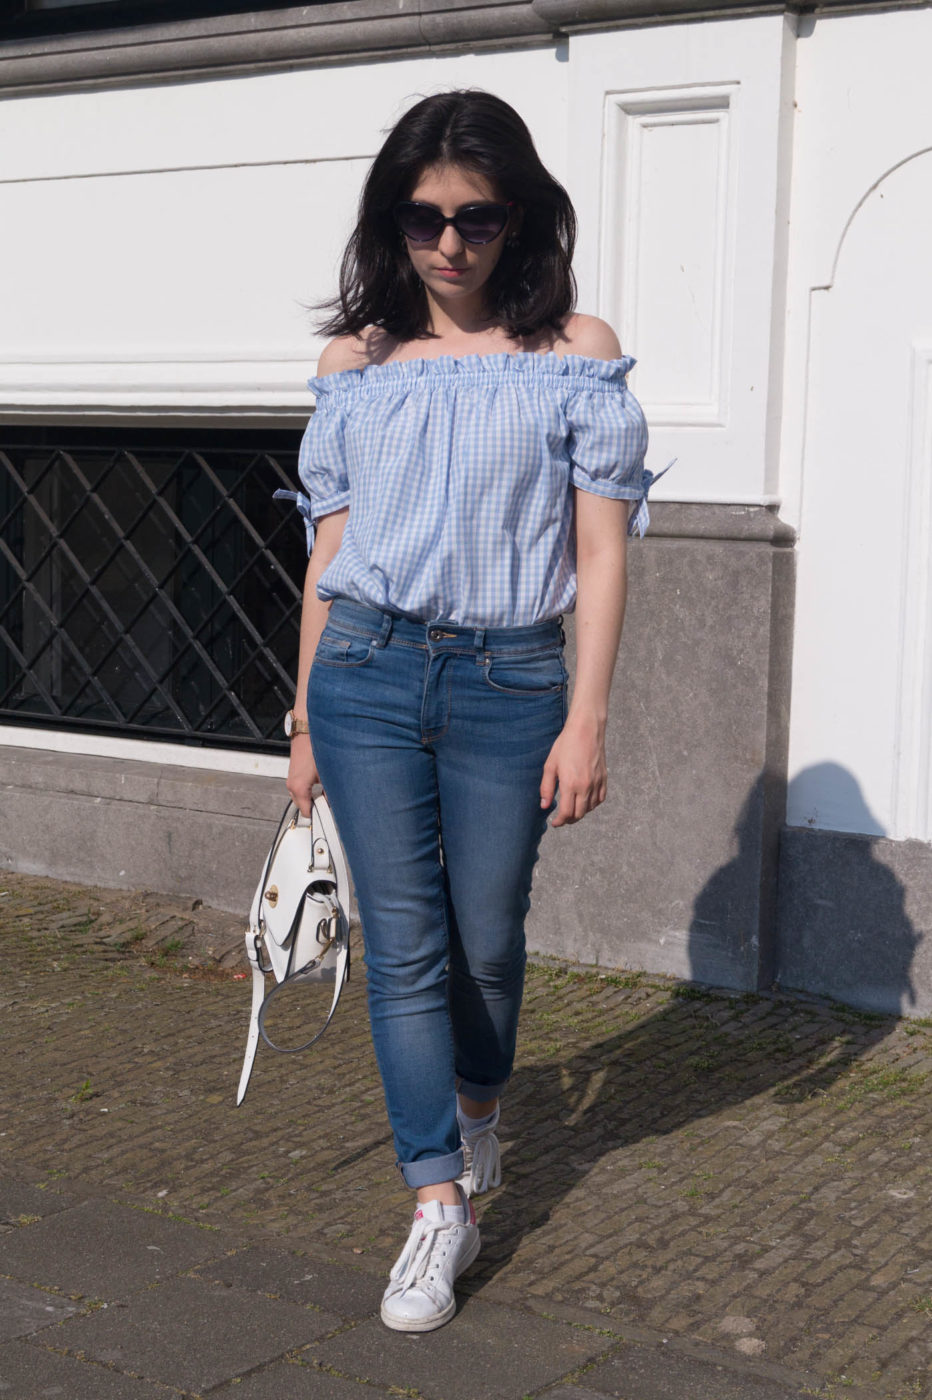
[701, 1055]
[587, 1087]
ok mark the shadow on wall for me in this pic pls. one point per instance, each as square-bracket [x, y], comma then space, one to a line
[842, 925]
[827, 917]
[730, 915]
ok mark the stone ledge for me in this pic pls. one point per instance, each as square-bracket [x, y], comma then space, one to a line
[203, 790]
[347, 30]
[687, 520]
[132, 825]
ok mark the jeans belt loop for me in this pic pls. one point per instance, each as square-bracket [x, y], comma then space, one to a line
[386, 629]
[479, 638]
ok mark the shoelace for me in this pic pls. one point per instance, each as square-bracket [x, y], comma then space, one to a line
[416, 1271]
[483, 1159]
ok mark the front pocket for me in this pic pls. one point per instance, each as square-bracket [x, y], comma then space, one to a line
[542, 673]
[335, 649]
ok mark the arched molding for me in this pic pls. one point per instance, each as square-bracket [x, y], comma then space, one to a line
[827, 285]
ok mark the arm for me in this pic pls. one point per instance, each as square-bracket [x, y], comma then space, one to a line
[577, 760]
[302, 770]
[342, 353]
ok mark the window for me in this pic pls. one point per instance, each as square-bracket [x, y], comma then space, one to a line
[149, 584]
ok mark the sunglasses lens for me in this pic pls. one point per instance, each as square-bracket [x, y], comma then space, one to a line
[418, 222]
[481, 223]
[478, 223]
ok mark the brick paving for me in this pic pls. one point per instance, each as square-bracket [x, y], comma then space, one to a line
[706, 1194]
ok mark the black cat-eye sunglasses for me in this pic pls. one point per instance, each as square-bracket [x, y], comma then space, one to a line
[475, 223]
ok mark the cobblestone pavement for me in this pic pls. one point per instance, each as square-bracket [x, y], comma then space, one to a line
[734, 1185]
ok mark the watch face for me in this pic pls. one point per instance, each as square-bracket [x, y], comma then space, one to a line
[289, 723]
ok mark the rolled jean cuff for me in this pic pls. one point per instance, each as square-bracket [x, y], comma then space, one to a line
[480, 1093]
[430, 1171]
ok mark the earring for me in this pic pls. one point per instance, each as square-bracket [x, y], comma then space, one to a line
[512, 240]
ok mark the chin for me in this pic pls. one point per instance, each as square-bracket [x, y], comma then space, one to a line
[442, 288]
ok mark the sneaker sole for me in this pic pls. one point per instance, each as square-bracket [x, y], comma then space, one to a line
[429, 1324]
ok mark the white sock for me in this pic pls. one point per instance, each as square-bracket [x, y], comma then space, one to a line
[455, 1215]
[473, 1125]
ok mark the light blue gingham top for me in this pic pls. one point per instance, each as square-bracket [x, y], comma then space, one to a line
[457, 472]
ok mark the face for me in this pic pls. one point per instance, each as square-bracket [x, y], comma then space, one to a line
[449, 267]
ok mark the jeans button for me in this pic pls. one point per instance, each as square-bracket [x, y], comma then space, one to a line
[434, 634]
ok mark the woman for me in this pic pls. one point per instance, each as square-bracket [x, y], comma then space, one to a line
[469, 468]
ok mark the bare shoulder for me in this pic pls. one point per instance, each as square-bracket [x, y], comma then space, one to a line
[588, 335]
[338, 354]
[355, 351]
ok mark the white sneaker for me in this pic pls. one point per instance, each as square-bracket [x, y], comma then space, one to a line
[419, 1296]
[482, 1162]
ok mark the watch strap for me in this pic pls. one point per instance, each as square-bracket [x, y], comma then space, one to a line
[294, 725]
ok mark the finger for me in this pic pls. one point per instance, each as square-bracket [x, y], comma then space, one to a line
[565, 810]
[578, 806]
[301, 799]
[548, 786]
[591, 800]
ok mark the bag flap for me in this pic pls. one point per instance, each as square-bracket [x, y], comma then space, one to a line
[285, 885]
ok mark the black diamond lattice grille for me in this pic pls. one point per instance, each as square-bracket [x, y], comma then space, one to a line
[150, 584]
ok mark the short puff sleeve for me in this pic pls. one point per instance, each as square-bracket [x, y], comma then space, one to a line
[321, 462]
[608, 438]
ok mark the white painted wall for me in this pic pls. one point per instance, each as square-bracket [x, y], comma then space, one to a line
[683, 231]
[857, 441]
[178, 231]
[16, 736]
[755, 218]
[161, 243]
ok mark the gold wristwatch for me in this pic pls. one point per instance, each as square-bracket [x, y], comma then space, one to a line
[294, 726]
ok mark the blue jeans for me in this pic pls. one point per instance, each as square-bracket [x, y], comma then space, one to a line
[431, 739]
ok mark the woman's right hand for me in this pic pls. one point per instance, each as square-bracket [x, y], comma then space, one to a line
[302, 773]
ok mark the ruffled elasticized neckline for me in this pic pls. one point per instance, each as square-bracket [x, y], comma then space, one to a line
[523, 364]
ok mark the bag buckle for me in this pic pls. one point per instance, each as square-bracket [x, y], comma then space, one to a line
[258, 943]
[328, 929]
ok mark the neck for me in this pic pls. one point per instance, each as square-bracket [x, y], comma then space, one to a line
[466, 317]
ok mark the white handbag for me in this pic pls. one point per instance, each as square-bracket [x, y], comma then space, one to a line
[298, 925]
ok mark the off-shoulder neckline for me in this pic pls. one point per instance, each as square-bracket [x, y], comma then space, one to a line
[500, 363]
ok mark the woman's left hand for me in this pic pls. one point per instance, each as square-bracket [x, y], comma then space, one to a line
[575, 765]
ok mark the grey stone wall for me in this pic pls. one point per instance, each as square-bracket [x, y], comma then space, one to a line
[687, 869]
[137, 825]
[677, 871]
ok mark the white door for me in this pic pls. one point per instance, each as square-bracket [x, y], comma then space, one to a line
[862, 698]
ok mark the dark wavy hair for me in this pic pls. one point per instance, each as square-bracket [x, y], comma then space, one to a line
[532, 285]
